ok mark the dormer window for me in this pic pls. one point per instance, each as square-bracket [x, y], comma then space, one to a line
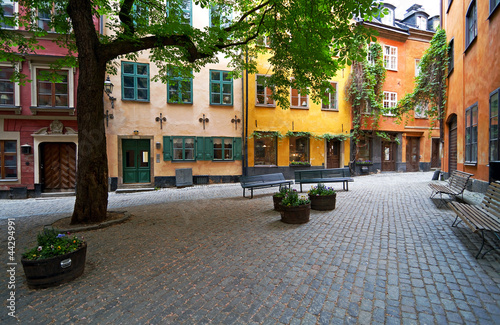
[389, 18]
[421, 22]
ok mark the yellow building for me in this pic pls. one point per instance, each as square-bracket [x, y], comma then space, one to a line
[312, 134]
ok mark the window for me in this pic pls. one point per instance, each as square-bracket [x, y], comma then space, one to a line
[183, 10]
[417, 67]
[299, 149]
[389, 18]
[9, 11]
[493, 5]
[135, 81]
[471, 134]
[471, 24]
[6, 87]
[421, 22]
[183, 148]
[264, 41]
[264, 92]
[421, 111]
[52, 91]
[298, 99]
[363, 146]
[45, 17]
[180, 90]
[390, 57]
[8, 159]
[451, 56]
[390, 101]
[331, 98]
[221, 88]
[220, 15]
[265, 147]
[494, 135]
[223, 148]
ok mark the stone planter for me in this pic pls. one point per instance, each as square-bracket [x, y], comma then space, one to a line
[295, 215]
[323, 202]
[55, 270]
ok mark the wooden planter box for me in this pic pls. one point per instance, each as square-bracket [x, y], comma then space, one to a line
[323, 202]
[295, 215]
[55, 270]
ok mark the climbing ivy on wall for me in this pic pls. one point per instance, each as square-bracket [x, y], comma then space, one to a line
[430, 84]
[364, 92]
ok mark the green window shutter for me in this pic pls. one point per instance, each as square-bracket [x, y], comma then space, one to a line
[167, 148]
[200, 148]
[209, 148]
[237, 149]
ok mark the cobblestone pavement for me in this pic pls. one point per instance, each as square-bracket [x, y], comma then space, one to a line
[386, 255]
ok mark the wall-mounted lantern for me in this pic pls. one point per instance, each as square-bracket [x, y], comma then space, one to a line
[108, 89]
[26, 149]
[158, 145]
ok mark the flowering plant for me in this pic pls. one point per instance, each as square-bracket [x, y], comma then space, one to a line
[292, 199]
[52, 243]
[283, 191]
[363, 162]
[321, 190]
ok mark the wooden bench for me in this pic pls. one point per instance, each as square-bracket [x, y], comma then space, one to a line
[331, 175]
[262, 181]
[455, 187]
[485, 217]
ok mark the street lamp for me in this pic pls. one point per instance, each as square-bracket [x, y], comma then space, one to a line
[108, 89]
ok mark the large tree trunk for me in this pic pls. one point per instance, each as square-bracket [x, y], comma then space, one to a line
[92, 171]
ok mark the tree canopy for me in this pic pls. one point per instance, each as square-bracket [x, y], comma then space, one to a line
[310, 42]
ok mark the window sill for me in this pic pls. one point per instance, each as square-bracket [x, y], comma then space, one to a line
[181, 161]
[135, 100]
[299, 107]
[472, 164]
[36, 109]
[223, 105]
[181, 103]
[330, 109]
[13, 180]
[265, 105]
[265, 166]
[7, 108]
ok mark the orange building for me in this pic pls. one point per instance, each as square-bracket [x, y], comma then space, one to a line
[471, 141]
[409, 146]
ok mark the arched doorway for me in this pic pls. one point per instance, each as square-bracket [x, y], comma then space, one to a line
[452, 144]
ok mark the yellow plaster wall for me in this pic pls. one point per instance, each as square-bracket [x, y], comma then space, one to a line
[312, 120]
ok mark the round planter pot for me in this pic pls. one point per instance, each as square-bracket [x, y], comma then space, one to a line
[277, 202]
[323, 202]
[295, 215]
[55, 270]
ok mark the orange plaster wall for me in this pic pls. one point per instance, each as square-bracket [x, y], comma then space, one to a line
[476, 74]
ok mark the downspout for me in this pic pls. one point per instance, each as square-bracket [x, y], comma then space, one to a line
[245, 119]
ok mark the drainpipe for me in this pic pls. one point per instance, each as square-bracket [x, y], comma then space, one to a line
[245, 119]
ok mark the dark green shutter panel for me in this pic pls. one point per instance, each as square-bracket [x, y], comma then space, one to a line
[167, 148]
[209, 149]
[200, 148]
[237, 149]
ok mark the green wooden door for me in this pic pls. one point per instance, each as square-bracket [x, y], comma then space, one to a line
[136, 168]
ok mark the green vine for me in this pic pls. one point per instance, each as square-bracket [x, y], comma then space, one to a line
[430, 84]
[298, 134]
[365, 93]
[266, 134]
[329, 136]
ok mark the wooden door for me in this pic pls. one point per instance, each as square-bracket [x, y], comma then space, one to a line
[435, 160]
[388, 156]
[452, 156]
[333, 154]
[412, 154]
[136, 168]
[58, 169]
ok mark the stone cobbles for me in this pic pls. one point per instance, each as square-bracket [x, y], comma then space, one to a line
[206, 255]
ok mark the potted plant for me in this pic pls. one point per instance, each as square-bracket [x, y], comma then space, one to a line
[278, 197]
[322, 197]
[57, 258]
[295, 209]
